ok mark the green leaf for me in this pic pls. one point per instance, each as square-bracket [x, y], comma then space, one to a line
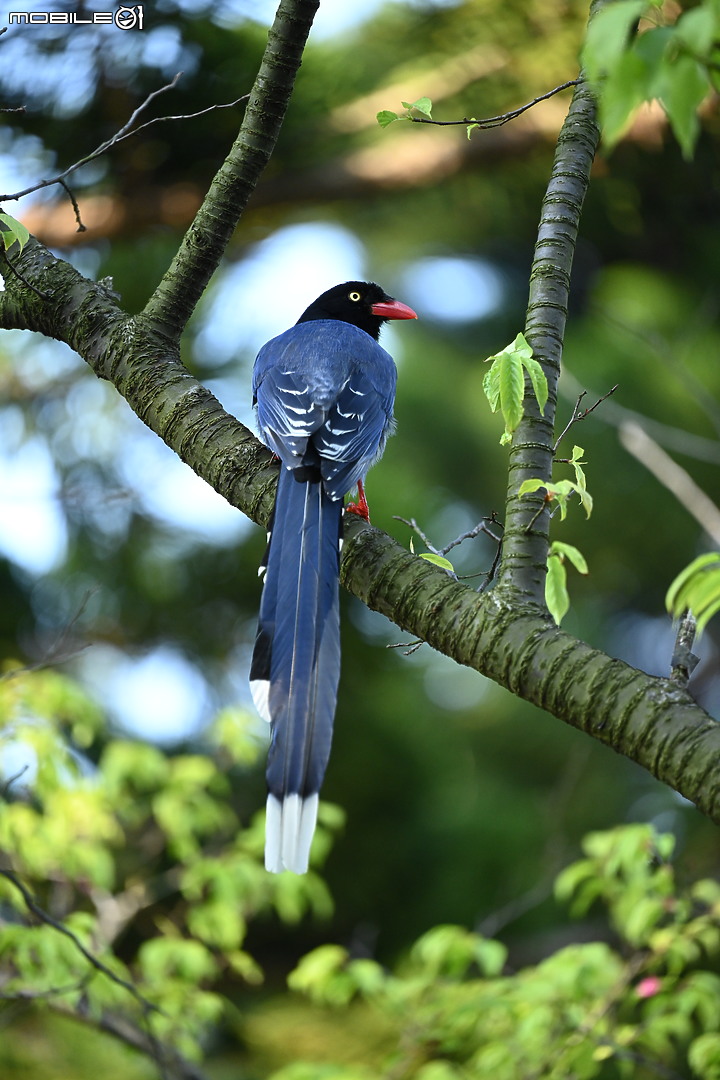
[556, 593]
[697, 589]
[682, 88]
[697, 29]
[438, 560]
[704, 1056]
[386, 117]
[512, 389]
[423, 105]
[608, 37]
[627, 88]
[504, 383]
[538, 380]
[12, 232]
[491, 386]
[673, 599]
[571, 553]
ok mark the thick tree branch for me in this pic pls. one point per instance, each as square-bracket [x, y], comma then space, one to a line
[525, 543]
[203, 245]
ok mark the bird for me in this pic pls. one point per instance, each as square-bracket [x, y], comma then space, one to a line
[324, 392]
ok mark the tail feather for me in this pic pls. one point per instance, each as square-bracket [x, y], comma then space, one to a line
[296, 663]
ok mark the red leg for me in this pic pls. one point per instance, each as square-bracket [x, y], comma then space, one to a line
[360, 507]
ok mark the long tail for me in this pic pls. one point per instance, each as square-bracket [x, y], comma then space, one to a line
[296, 663]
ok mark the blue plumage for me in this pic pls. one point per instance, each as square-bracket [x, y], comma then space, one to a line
[324, 391]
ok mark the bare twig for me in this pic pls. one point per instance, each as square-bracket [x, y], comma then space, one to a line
[579, 414]
[494, 121]
[39, 913]
[481, 527]
[684, 661]
[121, 135]
[58, 651]
[76, 208]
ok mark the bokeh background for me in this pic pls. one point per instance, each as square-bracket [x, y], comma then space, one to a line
[120, 565]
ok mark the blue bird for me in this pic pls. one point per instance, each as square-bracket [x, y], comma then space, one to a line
[324, 392]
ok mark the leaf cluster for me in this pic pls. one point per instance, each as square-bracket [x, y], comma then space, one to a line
[696, 589]
[504, 383]
[109, 835]
[633, 57]
[647, 1004]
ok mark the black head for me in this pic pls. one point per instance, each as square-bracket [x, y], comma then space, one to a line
[362, 303]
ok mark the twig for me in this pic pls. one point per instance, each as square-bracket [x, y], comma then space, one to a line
[579, 414]
[684, 661]
[121, 135]
[39, 995]
[494, 121]
[29, 284]
[39, 913]
[76, 208]
[57, 652]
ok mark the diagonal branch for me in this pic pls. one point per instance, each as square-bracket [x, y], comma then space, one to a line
[525, 544]
[204, 243]
[124, 133]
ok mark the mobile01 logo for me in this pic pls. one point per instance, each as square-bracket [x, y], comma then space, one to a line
[125, 18]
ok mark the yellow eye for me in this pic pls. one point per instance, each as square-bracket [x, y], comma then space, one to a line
[354, 296]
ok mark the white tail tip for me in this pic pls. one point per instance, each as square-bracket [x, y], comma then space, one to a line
[289, 830]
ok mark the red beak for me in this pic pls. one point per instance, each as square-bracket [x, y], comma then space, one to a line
[393, 309]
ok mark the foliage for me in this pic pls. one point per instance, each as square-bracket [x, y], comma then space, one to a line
[675, 65]
[99, 833]
[504, 383]
[556, 592]
[13, 232]
[643, 1000]
[696, 589]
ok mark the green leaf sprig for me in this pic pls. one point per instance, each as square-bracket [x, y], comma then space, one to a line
[504, 383]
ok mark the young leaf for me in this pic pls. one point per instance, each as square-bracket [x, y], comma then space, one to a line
[386, 117]
[512, 388]
[538, 380]
[423, 105]
[608, 35]
[438, 560]
[683, 590]
[556, 593]
[683, 87]
[571, 553]
[504, 383]
[13, 231]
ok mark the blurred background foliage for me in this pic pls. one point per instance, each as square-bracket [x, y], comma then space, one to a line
[121, 569]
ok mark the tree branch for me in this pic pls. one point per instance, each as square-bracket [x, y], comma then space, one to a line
[494, 121]
[203, 245]
[124, 133]
[525, 544]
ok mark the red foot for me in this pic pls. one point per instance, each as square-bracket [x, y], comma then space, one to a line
[360, 507]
